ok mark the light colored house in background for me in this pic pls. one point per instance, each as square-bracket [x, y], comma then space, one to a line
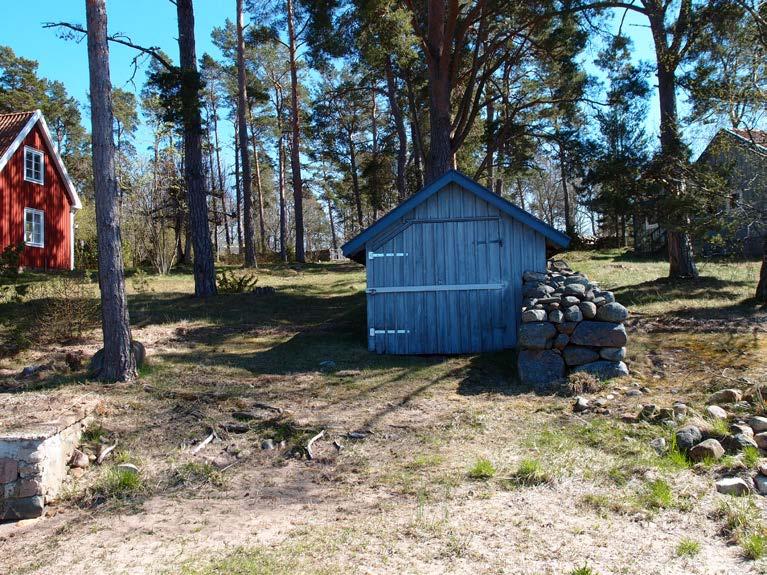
[742, 154]
[38, 200]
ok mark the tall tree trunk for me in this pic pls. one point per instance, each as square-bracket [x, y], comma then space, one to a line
[221, 179]
[242, 104]
[204, 269]
[295, 148]
[761, 288]
[238, 186]
[399, 123]
[415, 133]
[355, 180]
[213, 195]
[260, 190]
[283, 223]
[333, 236]
[569, 227]
[119, 363]
[490, 143]
[680, 253]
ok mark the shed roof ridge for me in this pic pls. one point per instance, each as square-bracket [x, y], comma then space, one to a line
[354, 245]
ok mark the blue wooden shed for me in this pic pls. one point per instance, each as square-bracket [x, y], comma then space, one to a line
[444, 269]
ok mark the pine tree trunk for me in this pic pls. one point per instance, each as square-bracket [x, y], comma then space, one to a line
[680, 254]
[295, 148]
[761, 288]
[399, 123]
[569, 227]
[355, 180]
[415, 134]
[119, 363]
[490, 144]
[247, 180]
[260, 190]
[221, 181]
[283, 223]
[204, 269]
[238, 185]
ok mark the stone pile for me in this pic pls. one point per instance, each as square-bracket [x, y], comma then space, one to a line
[568, 325]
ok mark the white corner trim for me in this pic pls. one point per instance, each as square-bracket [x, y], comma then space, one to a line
[38, 116]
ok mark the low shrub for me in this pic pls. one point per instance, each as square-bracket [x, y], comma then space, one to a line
[687, 548]
[483, 469]
[229, 282]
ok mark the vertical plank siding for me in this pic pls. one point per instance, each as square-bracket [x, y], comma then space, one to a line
[452, 239]
[50, 197]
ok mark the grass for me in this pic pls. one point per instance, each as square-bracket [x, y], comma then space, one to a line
[116, 483]
[656, 495]
[194, 472]
[256, 561]
[530, 472]
[751, 456]
[585, 570]
[482, 470]
[687, 548]
[743, 523]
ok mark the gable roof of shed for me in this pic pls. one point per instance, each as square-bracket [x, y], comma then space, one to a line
[552, 235]
[14, 128]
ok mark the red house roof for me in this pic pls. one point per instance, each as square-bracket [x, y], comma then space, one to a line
[15, 127]
[753, 136]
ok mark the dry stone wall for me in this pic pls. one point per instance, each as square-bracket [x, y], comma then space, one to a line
[568, 325]
[33, 464]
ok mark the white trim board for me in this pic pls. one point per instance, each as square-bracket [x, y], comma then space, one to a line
[36, 117]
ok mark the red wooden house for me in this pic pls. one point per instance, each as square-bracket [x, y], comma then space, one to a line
[37, 198]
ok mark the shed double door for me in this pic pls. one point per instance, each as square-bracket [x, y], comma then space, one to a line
[436, 286]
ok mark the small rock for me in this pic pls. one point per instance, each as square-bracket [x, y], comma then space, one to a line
[574, 289]
[725, 396]
[608, 296]
[77, 472]
[732, 486]
[760, 484]
[556, 316]
[687, 437]
[741, 428]
[630, 418]
[573, 313]
[128, 468]
[581, 404]
[613, 353]
[634, 393]
[761, 439]
[79, 459]
[758, 423]
[349, 373]
[708, 449]
[612, 312]
[649, 411]
[533, 315]
[762, 468]
[659, 445]
[680, 411]
[267, 444]
[570, 300]
[738, 442]
[716, 412]
[603, 369]
[588, 309]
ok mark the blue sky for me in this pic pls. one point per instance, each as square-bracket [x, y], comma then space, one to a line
[153, 22]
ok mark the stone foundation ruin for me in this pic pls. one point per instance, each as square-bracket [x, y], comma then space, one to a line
[34, 452]
[568, 325]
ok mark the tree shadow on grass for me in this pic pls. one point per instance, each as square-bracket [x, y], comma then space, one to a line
[493, 374]
[669, 290]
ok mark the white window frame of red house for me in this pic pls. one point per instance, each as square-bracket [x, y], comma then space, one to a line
[35, 153]
[33, 212]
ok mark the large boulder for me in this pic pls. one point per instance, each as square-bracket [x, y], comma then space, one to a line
[758, 423]
[612, 312]
[573, 313]
[603, 369]
[541, 369]
[534, 277]
[600, 334]
[732, 486]
[536, 335]
[575, 289]
[576, 355]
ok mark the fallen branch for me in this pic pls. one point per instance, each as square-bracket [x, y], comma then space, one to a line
[268, 407]
[105, 452]
[204, 442]
[308, 449]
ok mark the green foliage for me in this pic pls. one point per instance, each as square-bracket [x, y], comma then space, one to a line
[657, 495]
[140, 281]
[229, 282]
[687, 548]
[743, 523]
[585, 570]
[754, 546]
[195, 472]
[482, 470]
[530, 472]
[751, 456]
[69, 309]
[116, 483]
